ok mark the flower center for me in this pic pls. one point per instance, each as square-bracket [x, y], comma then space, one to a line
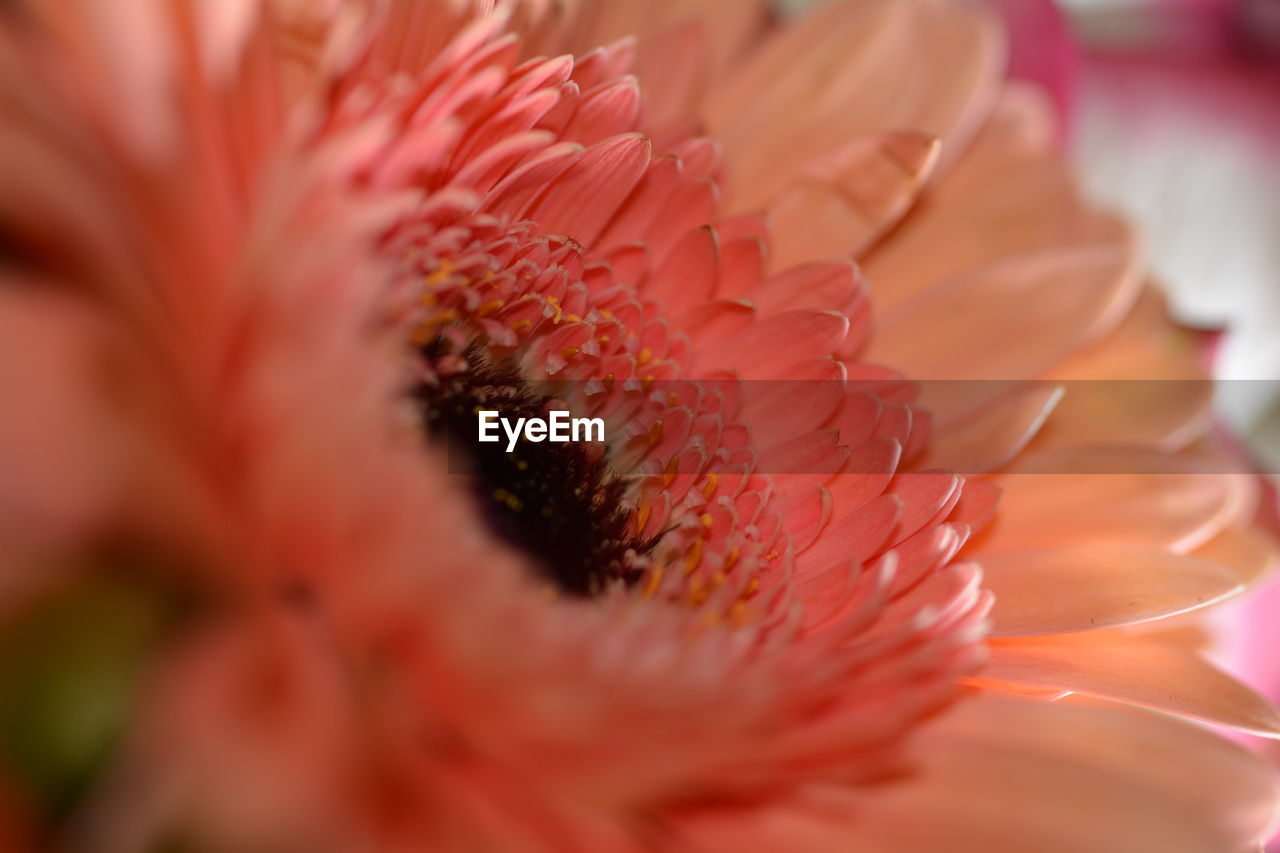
[559, 503]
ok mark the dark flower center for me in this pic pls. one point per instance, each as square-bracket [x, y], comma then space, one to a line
[557, 502]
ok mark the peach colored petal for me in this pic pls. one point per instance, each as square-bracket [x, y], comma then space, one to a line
[813, 219]
[1009, 194]
[1201, 778]
[846, 201]
[676, 68]
[1005, 773]
[1144, 673]
[845, 70]
[881, 174]
[1162, 400]
[1252, 553]
[1017, 317]
[1046, 694]
[992, 436]
[1085, 587]
[1154, 500]
[737, 23]
[1044, 762]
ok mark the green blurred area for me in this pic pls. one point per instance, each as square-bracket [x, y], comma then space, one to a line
[69, 666]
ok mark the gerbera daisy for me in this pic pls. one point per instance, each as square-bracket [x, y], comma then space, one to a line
[264, 590]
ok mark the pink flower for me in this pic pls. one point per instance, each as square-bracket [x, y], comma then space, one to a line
[305, 242]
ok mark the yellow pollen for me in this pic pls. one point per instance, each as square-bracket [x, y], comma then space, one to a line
[513, 503]
[694, 558]
[655, 580]
[645, 356]
[655, 432]
[642, 514]
[441, 272]
[713, 481]
[706, 521]
[489, 307]
[573, 318]
[522, 323]
[670, 471]
[697, 592]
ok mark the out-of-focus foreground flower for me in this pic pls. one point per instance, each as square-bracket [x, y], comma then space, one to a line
[263, 260]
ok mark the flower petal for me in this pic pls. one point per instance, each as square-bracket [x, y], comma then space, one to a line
[850, 69]
[1014, 318]
[1004, 773]
[582, 200]
[1166, 501]
[1248, 551]
[1148, 674]
[1081, 588]
[989, 438]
